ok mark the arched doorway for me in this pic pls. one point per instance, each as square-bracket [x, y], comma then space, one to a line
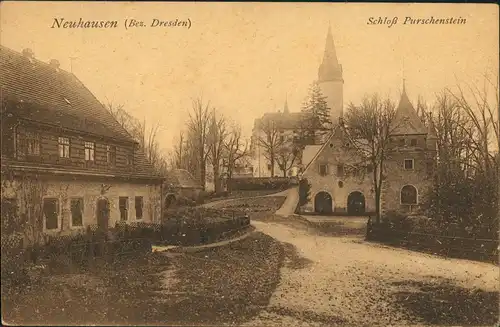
[102, 214]
[356, 203]
[323, 203]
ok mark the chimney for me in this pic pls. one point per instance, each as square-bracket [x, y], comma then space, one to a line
[54, 63]
[28, 53]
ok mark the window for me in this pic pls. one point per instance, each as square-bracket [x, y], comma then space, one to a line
[63, 147]
[89, 151]
[123, 204]
[111, 154]
[51, 213]
[408, 164]
[341, 184]
[9, 215]
[77, 212]
[32, 144]
[413, 142]
[408, 194]
[130, 159]
[369, 169]
[323, 169]
[138, 207]
[402, 142]
[340, 170]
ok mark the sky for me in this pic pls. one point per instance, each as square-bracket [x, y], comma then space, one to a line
[247, 58]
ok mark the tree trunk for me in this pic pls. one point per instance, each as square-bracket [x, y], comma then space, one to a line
[216, 179]
[272, 165]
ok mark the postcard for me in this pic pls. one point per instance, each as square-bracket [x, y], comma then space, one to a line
[249, 164]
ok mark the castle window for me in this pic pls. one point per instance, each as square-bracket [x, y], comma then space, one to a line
[408, 195]
[402, 142]
[409, 164]
[340, 170]
[413, 142]
[341, 184]
[323, 169]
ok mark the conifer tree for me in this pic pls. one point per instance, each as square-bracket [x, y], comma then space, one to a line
[318, 120]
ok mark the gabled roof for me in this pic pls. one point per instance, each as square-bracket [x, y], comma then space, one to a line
[44, 93]
[181, 178]
[343, 133]
[406, 120]
[292, 120]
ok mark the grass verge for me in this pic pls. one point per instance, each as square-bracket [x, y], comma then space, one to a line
[213, 286]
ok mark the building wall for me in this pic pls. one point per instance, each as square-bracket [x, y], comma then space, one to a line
[334, 91]
[397, 177]
[91, 192]
[332, 155]
[49, 150]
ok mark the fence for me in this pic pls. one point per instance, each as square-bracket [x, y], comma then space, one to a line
[122, 240]
[481, 249]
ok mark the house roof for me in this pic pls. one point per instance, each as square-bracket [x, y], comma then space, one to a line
[290, 120]
[340, 132]
[42, 92]
[181, 178]
[406, 120]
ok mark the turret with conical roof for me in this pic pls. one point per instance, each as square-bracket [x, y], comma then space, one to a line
[330, 79]
[406, 120]
[330, 69]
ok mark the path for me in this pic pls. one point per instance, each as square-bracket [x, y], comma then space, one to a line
[351, 282]
[227, 201]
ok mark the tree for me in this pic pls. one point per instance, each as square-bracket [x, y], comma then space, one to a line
[236, 149]
[287, 155]
[198, 127]
[217, 136]
[370, 125]
[465, 190]
[145, 136]
[271, 140]
[318, 114]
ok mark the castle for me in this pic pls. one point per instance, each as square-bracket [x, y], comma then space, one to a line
[335, 188]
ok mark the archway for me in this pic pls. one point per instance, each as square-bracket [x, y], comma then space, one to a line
[323, 203]
[356, 203]
[102, 214]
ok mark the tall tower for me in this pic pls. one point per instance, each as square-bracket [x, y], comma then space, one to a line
[330, 79]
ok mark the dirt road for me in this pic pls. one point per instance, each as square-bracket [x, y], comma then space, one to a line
[346, 281]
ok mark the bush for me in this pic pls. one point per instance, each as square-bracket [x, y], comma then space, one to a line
[395, 220]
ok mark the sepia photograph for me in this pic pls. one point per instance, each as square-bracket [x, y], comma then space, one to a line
[249, 164]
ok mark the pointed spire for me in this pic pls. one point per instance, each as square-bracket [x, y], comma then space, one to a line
[285, 109]
[406, 120]
[330, 69]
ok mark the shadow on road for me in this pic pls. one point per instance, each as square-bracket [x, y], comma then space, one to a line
[446, 304]
[293, 259]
